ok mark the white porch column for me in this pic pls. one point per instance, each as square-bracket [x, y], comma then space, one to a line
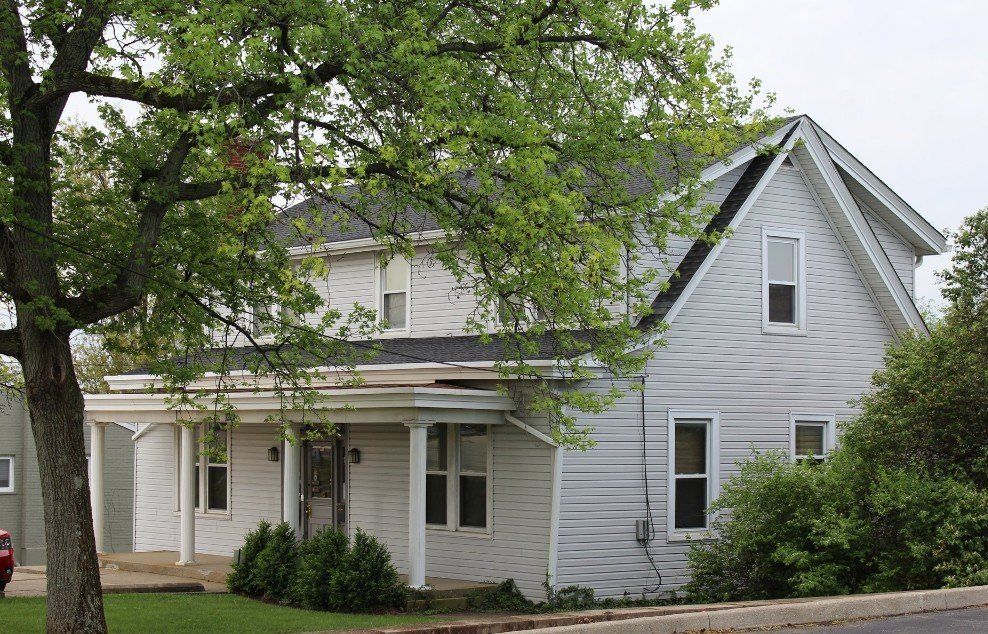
[291, 476]
[417, 439]
[97, 453]
[187, 497]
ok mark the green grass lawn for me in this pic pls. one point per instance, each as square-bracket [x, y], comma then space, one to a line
[199, 613]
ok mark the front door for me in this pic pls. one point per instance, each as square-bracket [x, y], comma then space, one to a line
[325, 503]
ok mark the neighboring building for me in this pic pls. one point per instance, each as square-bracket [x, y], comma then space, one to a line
[771, 335]
[21, 507]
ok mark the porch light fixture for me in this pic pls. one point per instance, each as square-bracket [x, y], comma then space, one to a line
[354, 455]
[273, 454]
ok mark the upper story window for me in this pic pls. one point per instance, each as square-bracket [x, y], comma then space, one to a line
[783, 281]
[393, 303]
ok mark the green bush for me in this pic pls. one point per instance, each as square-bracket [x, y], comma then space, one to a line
[319, 559]
[242, 579]
[274, 567]
[366, 579]
[795, 530]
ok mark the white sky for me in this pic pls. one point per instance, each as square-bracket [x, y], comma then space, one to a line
[902, 84]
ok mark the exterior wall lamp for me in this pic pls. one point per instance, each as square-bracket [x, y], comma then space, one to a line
[354, 456]
[273, 454]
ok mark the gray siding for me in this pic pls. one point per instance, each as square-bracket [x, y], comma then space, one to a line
[255, 492]
[717, 358]
[22, 512]
[901, 253]
[518, 544]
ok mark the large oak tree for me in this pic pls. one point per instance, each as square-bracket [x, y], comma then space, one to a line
[514, 124]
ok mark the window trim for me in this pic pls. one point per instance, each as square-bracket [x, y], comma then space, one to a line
[379, 293]
[829, 423]
[202, 466]
[779, 328]
[713, 470]
[13, 481]
[453, 484]
[447, 473]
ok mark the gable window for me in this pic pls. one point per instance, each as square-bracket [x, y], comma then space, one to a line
[393, 302]
[811, 436]
[6, 474]
[783, 281]
[693, 469]
[457, 479]
[212, 485]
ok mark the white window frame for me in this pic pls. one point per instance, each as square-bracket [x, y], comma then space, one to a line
[453, 484]
[9, 489]
[827, 421]
[785, 235]
[202, 466]
[713, 470]
[379, 293]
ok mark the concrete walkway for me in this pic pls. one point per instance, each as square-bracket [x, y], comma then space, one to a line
[30, 581]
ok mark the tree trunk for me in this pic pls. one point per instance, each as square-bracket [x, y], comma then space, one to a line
[75, 598]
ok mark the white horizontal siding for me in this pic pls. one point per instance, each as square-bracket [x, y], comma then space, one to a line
[717, 358]
[901, 253]
[518, 545]
[255, 492]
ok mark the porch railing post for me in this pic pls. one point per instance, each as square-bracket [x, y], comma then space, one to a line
[291, 492]
[97, 453]
[417, 441]
[187, 498]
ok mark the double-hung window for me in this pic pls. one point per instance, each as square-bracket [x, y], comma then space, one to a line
[811, 436]
[693, 470]
[783, 281]
[212, 470]
[458, 463]
[6, 474]
[393, 301]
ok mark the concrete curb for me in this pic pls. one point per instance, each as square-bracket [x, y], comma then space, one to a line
[793, 613]
[716, 617]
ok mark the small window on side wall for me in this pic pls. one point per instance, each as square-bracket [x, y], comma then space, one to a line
[6, 474]
[812, 436]
[393, 302]
[783, 281]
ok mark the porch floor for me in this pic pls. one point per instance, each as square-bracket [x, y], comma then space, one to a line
[216, 568]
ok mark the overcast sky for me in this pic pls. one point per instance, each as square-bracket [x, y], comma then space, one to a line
[902, 84]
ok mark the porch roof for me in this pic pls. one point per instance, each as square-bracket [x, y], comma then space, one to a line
[371, 404]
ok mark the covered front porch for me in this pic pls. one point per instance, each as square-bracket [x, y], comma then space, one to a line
[383, 459]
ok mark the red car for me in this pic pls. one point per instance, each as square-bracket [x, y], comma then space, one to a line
[6, 559]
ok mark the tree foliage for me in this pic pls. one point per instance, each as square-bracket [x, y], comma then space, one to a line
[513, 123]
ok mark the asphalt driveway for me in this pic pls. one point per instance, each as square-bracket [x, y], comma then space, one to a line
[967, 621]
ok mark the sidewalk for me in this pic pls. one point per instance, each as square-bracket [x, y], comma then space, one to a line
[718, 617]
[29, 581]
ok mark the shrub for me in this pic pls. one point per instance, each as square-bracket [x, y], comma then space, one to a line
[798, 530]
[319, 559]
[366, 579]
[242, 580]
[274, 567]
[505, 597]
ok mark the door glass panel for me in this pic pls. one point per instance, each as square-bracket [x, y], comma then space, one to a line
[320, 472]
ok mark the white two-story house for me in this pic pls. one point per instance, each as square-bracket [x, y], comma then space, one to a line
[772, 333]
